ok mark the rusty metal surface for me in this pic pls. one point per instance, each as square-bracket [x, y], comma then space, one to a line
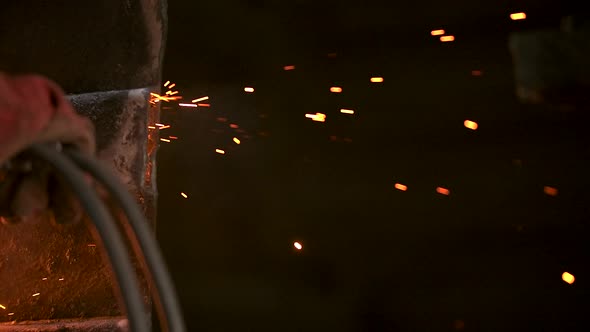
[109, 54]
[106, 324]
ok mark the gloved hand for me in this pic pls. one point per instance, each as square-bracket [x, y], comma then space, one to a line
[34, 110]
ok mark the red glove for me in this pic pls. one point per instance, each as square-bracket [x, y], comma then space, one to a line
[34, 110]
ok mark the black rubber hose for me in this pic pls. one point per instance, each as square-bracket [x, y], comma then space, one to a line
[108, 231]
[166, 293]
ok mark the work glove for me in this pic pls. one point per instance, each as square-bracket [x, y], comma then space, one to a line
[34, 110]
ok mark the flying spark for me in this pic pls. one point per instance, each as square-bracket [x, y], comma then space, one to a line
[336, 89]
[447, 38]
[167, 82]
[188, 105]
[249, 89]
[200, 99]
[165, 127]
[172, 137]
[11, 314]
[2, 307]
[443, 191]
[184, 195]
[401, 187]
[517, 16]
[297, 245]
[551, 191]
[438, 32]
[92, 245]
[234, 126]
[219, 151]
[470, 124]
[236, 140]
[172, 85]
[319, 117]
[44, 279]
[61, 279]
[165, 140]
[289, 67]
[568, 277]
[151, 127]
[36, 294]
[377, 79]
[204, 105]
[345, 111]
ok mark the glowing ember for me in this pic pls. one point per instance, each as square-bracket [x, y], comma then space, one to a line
[172, 85]
[438, 32]
[470, 124]
[11, 314]
[377, 79]
[234, 126]
[517, 16]
[2, 307]
[401, 187]
[336, 89]
[167, 82]
[236, 140]
[165, 127]
[151, 127]
[476, 72]
[443, 191]
[61, 279]
[289, 68]
[171, 93]
[297, 245]
[204, 105]
[172, 137]
[188, 105]
[249, 89]
[200, 99]
[345, 111]
[447, 38]
[160, 124]
[219, 151]
[165, 140]
[568, 277]
[44, 279]
[36, 294]
[319, 117]
[551, 191]
[184, 195]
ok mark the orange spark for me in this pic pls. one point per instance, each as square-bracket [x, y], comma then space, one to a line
[401, 187]
[297, 245]
[172, 85]
[172, 137]
[165, 140]
[167, 82]
[184, 195]
[249, 89]
[443, 191]
[518, 16]
[289, 67]
[438, 32]
[11, 314]
[319, 117]
[219, 151]
[204, 105]
[345, 111]
[200, 99]
[551, 191]
[2, 307]
[156, 98]
[44, 279]
[61, 279]
[476, 72]
[92, 245]
[188, 105]
[377, 79]
[151, 127]
[165, 127]
[36, 294]
[336, 89]
[159, 125]
[234, 126]
[172, 93]
[568, 277]
[470, 124]
[447, 38]
[236, 140]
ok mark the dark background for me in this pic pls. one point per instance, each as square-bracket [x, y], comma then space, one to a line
[488, 257]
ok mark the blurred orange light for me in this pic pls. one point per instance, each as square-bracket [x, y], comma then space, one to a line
[249, 89]
[184, 195]
[401, 187]
[447, 38]
[517, 16]
[470, 124]
[377, 79]
[219, 151]
[236, 140]
[568, 277]
[443, 191]
[234, 126]
[172, 85]
[438, 32]
[297, 245]
[345, 111]
[476, 72]
[319, 117]
[200, 99]
[167, 82]
[336, 89]
[289, 67]
[2, 307]
[551, 191]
